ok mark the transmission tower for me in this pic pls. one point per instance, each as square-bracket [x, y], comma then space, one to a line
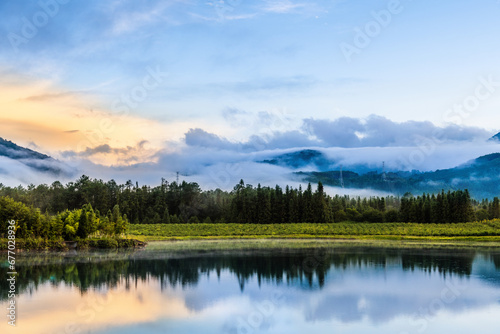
[341, 177]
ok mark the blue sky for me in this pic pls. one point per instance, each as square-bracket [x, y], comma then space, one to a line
[241, 69]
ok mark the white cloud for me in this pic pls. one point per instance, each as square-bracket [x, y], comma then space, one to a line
[379, 131]
[128, 19]
[16, 172]
[282, 6]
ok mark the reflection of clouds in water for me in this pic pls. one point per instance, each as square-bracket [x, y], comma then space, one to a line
[377, 294]
[362, 292]
[51, 310]
[352, 294]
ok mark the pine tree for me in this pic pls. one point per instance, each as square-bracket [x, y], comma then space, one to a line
[294, 207]
[278, 207]
[320, 207]
[427, 210]
[494, 209]
[308, 215]
[263, 205]
[166, 217]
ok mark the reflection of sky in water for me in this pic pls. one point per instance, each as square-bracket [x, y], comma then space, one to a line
[355, 298]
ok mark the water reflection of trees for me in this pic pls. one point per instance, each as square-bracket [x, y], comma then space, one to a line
[496, 260]
[444, 263]
[305, 268]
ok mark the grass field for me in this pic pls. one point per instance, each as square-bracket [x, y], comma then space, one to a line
[476, 231]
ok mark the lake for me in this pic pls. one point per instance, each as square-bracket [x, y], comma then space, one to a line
[258, 287]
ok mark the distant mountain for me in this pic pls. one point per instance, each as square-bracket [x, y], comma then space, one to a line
[34, 160]
[485, 160]
[301, 159]
[320, 162]
[495, 137]
[481, 176]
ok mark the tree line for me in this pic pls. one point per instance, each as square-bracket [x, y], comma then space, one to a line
[185, 202]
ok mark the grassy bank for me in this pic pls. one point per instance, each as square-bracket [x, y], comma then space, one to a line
[476, 231]
[59, 244]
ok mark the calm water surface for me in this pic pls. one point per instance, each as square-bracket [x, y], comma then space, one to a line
[211, 287]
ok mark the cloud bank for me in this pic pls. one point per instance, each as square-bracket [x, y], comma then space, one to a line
[344, 132]
[216, 161]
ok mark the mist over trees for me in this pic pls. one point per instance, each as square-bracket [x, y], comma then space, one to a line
[94, 207]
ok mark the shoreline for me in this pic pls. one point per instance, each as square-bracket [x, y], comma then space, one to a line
[142, 242]
[38, 244]
[471, 238]
[472, 241]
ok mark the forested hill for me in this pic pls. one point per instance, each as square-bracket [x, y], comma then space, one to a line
[300, 159]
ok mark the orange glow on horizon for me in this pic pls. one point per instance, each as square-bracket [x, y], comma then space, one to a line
[58, 121]
[64, 309]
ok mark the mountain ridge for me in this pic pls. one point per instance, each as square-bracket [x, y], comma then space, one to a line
[35, 160]
[495, 137]
[480, 176]
[12, 150]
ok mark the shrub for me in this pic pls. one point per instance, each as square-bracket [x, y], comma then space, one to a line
[373, 216]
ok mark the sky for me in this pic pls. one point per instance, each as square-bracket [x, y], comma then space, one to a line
[112, 86]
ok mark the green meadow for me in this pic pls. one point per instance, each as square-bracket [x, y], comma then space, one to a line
[475, 231]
